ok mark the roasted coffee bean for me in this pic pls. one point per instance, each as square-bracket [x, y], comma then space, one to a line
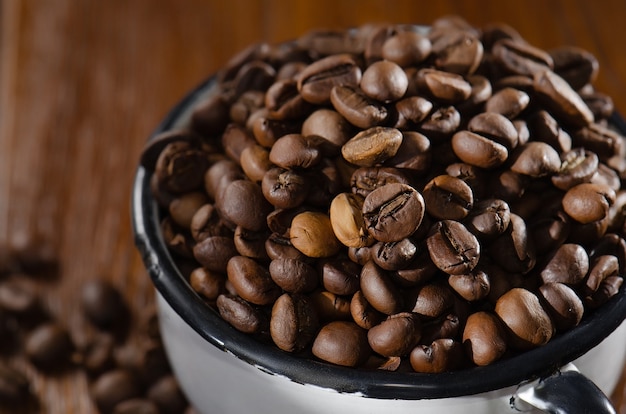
[393, 212]
[316, 81]
[20, 299]
[214, 252]
[284, 188]
[521, 58]
[608, 288]
[477, 150]
[279, 247]
[605, 142]
[367, 179]
[210, 116]
[294, 151]
[206, 222]
[49, 347]
[569, 265]
[136, 406]
[294, 322]
[536, 159]
[183, 208]
[98, 355]
[419, 271]
[293, 275]
[577, 166]
[414, 153]
[442, 355]
[543, 127]
[242, 315]
[600, 104]
[471, 287]
[173, 167]
[235, 139]
[246, 104]
[406, 48]
[243, 203]
[433, 300]
[113, 387]
[328, 124]
[372, 146]
[489, 218]
[363, 313]
[448, 198]
[458, 52]
[356, 108]
[394, 255]
[284, 102]
[167, 395]
[441, 123]
[562, 304]
[348, 222]
[474, 176]
[509, 102]
[514, 249]
[602, 267]
[252, 281]
[384, 81]
[379, 289]
[492, 32]
[562, 101]
[206, 283]
[481, 92]
[412, 110]
[14, 386]
[340, 276]
[395, 336]
[312, 233]
[251, 243]
[577, 66]
[528, 324]
[329, 306]
[103, 304]
[495, 127]
[452, 248]
[342, 343]
[484, 338]
[266, 131]
[255, 162]
[178, 240]
[443, 86]
[588, 202]
[252, 76]
[219, 175]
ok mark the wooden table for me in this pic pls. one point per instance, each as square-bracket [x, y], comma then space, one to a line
[83, 83]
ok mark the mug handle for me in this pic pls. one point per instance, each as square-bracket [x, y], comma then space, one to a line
[565, 392]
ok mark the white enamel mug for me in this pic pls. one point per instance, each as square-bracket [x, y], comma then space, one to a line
[224, 371]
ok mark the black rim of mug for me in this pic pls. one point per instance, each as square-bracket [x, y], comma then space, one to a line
[173, 287]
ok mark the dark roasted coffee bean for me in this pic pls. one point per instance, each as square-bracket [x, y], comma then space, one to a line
[495, 127]
[514, 249]
[366, 179]
[180, 167]
[294, 322]
[255, 162]
[393, 212]
[167, 396]
[206, 283]
[608, 288]
[246, 104]
[600, 104]
[384, 81]
[329, 306]
[113, 387]
[562, 304]
[521, 58]
[536, 159]
[442, 355]
[330, 125]
[235, 139]
[98, 355]
[242, 315]
[178, 240]
[602, 267]
[316, 81]
[294, 151]
[411, 110]
[251, 243]
[253, 76]
[183, 207]
[481, 92]
[406, 48]
[266, 131]
[562, 101]
[448, 198]
[284, 188]
[293, 275]
[219, 175]
[452, 248]
[214, 252]
[508, 102]
[210, 116]
[588, 202]
[103, 304]
[569, 265]
[340, 276]
[379, 289]
[489, 218]
[443, 86]
[49, 347]
[441, 123]
[414, 153]
[484, 338]
[284, 102]
[475, 177]
[577, 66]
[342, 343]
[206, 222]
[492, 32]
[395, 336]
[599, 139]
[577, 166]
[357, 108]
[243, 203]
[433, 300]
[478, 150]
[394, 255]
[364, 314]
[527, 322]
[458, 52]
[252, 281]
[20, 299]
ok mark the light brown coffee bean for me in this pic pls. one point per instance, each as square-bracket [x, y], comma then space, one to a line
[372, 146]
[312, 234]
[348, 223]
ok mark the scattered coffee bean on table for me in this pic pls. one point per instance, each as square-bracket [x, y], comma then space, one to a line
[399, 193]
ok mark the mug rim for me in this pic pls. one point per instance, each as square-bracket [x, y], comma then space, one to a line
[175, 289]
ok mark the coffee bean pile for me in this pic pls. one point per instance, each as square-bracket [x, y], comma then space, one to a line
[389, 196]
[127, 373]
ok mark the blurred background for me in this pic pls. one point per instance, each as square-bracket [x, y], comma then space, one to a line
[84, 83]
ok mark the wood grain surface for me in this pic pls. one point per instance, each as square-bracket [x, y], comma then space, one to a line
[83, 83]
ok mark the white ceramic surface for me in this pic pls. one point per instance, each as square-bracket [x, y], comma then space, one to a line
[218, 382]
